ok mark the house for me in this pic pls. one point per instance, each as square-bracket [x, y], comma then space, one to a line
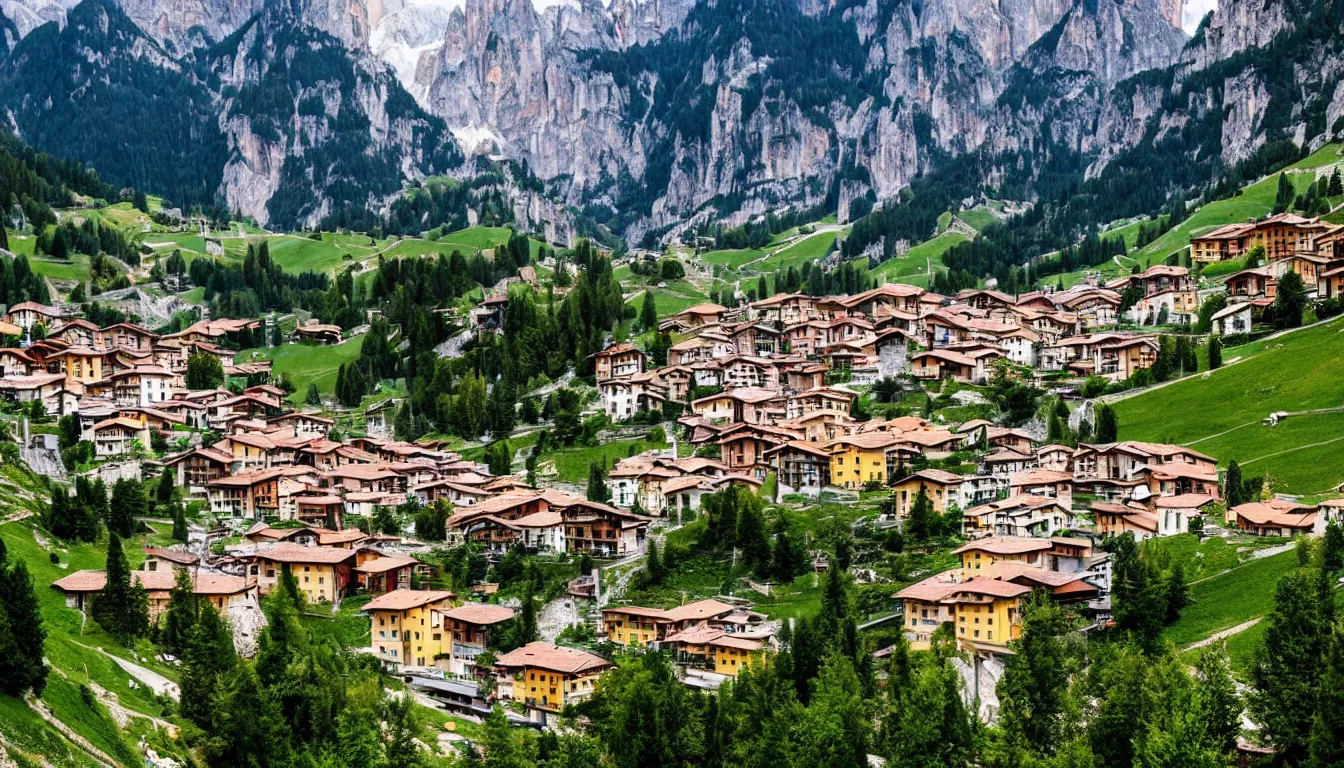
[49, 388]
[623, 398]
[716, 650]
[1046, 483]
[1275, 517]
[26, 314]
[407, 628]
[324, 574]
[470, 626]
[126, 336]
[977, 556]
[1017, 516]
[197, 468]
[631, 625]
[1175, 513]
[603, 530]
[119, 436]
[317, 333]
[700, 315]
[1111, 519]
[1234, 318]
[748, 405]
[942, 488]
[80, 365]
[801, 466]
[80, 587]
[145, 386]
[619, 361]
[257, 494]
[17, 362]
[858, 460]
[985, 612]
[547, 677]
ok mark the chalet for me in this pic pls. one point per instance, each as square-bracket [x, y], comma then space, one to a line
[801, 466]
[385, 574]
[603, 530]
[619, 361]
[942, 488]
[17, 362]
[49, 388]
[118, 436]
[407, 627]
[701, 315]
[77, 333]
[26, 314]
[783, 308]
[1274, 518]
[324, 574]
[1176, 513]
[1233, 319]
[739, 405]
[197, 468]
[126, 336]
[317, 333]
[470, 626]
[546, 677]
[639, 393]
[1045, 483]
[143, 386]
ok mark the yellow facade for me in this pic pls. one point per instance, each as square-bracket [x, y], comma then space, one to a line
[922, 619]
[548, 690]
[974, 562]
[414, 637]
[852, 466]
[627, 629]
[316, 582]
[730, 661]
[904, 495]
[988, 620]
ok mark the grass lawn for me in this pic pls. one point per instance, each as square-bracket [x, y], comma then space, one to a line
[913, 267]
[571, 464]
[194, 296]
[1201, 559]
[673, 297]
[978, 218]
[1255, 200]
[1222, 268]
[1231, 598]
[306, 363]
[71, 648]
[75, 268]
[810, 248]
[21, 245]
[733, 259]
[299, 254]
[1293, 373]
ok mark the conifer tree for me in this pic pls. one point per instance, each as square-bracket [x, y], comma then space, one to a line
[180, 530]
[249, 728]
[923, 522]
[654, 572]
[648, 312]
[1215, 352]
[122, 608]
[208, 656]
[1336, 187]
[1234, 488]
[1288, 668]
[22, 667]
[597, 484]
[128, 502]
[1033, 689]
[1108, 426]
[181, 615]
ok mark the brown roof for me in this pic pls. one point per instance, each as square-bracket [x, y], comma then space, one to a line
[930, 590]
[702, 609]
[94, 581]
[385, 564]
[635, 610]
[992, 588]
[479, 613]
[1004, 545]
[554, 658]
[296, 554]
[405, 599]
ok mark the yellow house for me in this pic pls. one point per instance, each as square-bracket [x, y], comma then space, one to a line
[407, 627]
[943, 489]
[714, 650]
[79, 364]
[988, 611]
[632, 624]
[547, 677]
[322, 573]
[977, 556]
[860, 459]
[984, 611]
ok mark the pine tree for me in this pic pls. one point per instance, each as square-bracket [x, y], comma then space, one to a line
[648, 312]
[180, 617]
[1234, 489]
[1215, 352]
[208, 656]
[923, 522]
[249, 728]
[128, 502]
[1288, 668]
[1336, 187]
[1108, 426]
[654, 572]
[180, 530]
[1285, 195]
[402, 733]
[122, 608]
[1220, 705]
[1033, 688]
[21, 656]
[1332, 547]
[597, 484]
[1178, 593]
[1326, 740]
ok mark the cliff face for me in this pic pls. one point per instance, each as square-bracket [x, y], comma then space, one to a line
[668, 112]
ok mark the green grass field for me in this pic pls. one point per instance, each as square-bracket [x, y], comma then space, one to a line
[732, 259]
[304, 363]
[913, 267]
[76, 268]
[1220, 413]
[299, 254]
[571, 464]
[1230, 598]
[1255, 200]
[978, 218]
[810, 248]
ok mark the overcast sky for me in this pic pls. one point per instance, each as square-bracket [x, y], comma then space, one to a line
[1194, 11]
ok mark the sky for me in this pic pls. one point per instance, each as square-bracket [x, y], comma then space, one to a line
[1194, 12]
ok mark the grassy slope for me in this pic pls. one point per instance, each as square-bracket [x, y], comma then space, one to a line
[1299, 371]
[1231, 598]
[914, 265]
[76, 268]
[1255, 200]
[306, 363]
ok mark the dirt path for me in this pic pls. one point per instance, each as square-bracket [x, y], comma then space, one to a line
[156, 682]
[1223, 634]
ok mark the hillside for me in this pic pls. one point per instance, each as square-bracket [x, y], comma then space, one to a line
[1221, 412]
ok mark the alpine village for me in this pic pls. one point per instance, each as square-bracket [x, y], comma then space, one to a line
[671, 384]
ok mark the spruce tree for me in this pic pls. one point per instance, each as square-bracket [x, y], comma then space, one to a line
[1288, 668]
[1108, 426]
[180, 530]
[654, 573]
[128, 502]
[648, 312]
[1033, 690]
[923, 522]
[1234, 488]
[1326, 740]
[1285, 194]
[249, 727]
[1215, 352]
[597, 483]
[122, 608]
[181, 615]
[1336, 187]
[209, 655]
[21, 663]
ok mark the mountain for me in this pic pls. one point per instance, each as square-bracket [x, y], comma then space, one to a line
[652, 116]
